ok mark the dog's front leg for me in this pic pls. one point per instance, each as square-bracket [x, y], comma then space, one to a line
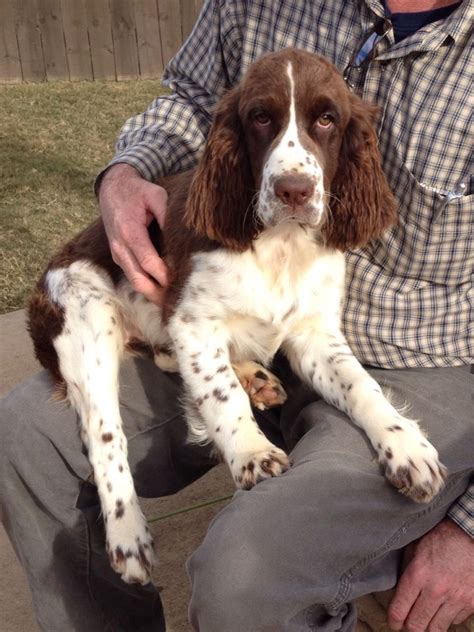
[89, 350]
[218, 409]
[325, 361]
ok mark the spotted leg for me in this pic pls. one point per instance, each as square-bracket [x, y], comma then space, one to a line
[410, 462]
[264, 389]
[218, 408]
[89, 349]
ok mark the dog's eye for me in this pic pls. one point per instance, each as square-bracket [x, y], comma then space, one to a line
[262, 119]
[326, 120]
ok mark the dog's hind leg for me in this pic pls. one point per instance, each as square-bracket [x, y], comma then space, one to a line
[263, 388]
[89, 348]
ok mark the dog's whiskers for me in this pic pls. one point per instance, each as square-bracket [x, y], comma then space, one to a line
[251, 206]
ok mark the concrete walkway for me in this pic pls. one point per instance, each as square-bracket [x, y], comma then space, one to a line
[176, 537]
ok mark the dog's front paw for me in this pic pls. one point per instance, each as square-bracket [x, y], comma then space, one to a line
[411, 463]
[264, 389]
[129, 544]
[252, 468]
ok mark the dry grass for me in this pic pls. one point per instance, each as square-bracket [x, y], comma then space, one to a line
[54, 139]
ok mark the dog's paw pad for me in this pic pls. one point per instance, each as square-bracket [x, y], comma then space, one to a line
[263, 388]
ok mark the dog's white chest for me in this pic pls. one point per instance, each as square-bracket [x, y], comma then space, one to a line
[260, 295]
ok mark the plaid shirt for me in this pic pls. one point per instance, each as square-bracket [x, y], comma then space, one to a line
[462, 512]
[409, 295]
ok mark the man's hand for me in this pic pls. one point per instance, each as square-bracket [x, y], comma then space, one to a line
[436, 588]
[128, 204]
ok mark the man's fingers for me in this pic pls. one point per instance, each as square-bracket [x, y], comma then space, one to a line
[405, 596]
[128, 203]
[152, 264]
[441, 572]
[423, 610]
[138, 241]
[156, 202]
[140, 281]
[463, 615]
[444, 617]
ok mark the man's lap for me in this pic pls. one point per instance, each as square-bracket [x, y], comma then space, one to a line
[334, 495]
[325, 533]
[331, 528]
[156, 430]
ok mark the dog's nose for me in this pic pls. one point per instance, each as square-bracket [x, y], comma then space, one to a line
[294, 190]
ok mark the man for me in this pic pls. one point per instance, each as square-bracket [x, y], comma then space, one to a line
[293, 553]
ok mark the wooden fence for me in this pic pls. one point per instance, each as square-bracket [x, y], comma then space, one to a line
[69, 40]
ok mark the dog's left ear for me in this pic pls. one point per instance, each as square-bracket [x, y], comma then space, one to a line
[362, 204]
[221, 192]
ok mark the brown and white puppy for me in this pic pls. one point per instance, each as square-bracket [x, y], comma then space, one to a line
[290, 178]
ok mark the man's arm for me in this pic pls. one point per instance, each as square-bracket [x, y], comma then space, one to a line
[165, 139]
[436, 587]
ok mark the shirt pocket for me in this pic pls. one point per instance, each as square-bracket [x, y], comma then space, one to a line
[433, 241]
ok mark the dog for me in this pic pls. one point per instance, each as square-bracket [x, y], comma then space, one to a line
[254, 238]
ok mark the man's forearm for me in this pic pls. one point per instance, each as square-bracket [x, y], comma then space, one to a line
[113, 172]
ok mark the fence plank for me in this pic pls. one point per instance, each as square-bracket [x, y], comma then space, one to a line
[170, 28]
[100, 39]
[189, 11]
[91, 39]
[148, 38]
[10, 67]
[52, 37]
[77, 41]
[125, 43]
[29, 40]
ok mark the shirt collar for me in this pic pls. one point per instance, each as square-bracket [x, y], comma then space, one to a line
[459, 23]
[431, 37]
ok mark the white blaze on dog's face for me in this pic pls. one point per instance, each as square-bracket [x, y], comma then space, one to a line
[292, 179]
[294, 126]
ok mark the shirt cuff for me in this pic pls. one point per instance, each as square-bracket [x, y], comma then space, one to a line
[462, 511]
[147, 160]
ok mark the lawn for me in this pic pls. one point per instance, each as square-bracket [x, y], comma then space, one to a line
[54, 139]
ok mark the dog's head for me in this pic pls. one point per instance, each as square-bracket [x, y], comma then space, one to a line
[291, 142]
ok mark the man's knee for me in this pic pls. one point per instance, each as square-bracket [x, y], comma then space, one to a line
[272, 544]
[292, 541]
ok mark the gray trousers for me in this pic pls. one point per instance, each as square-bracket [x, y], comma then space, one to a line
[291, 554]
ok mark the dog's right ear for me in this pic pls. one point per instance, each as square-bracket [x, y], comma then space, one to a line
[221, 192]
